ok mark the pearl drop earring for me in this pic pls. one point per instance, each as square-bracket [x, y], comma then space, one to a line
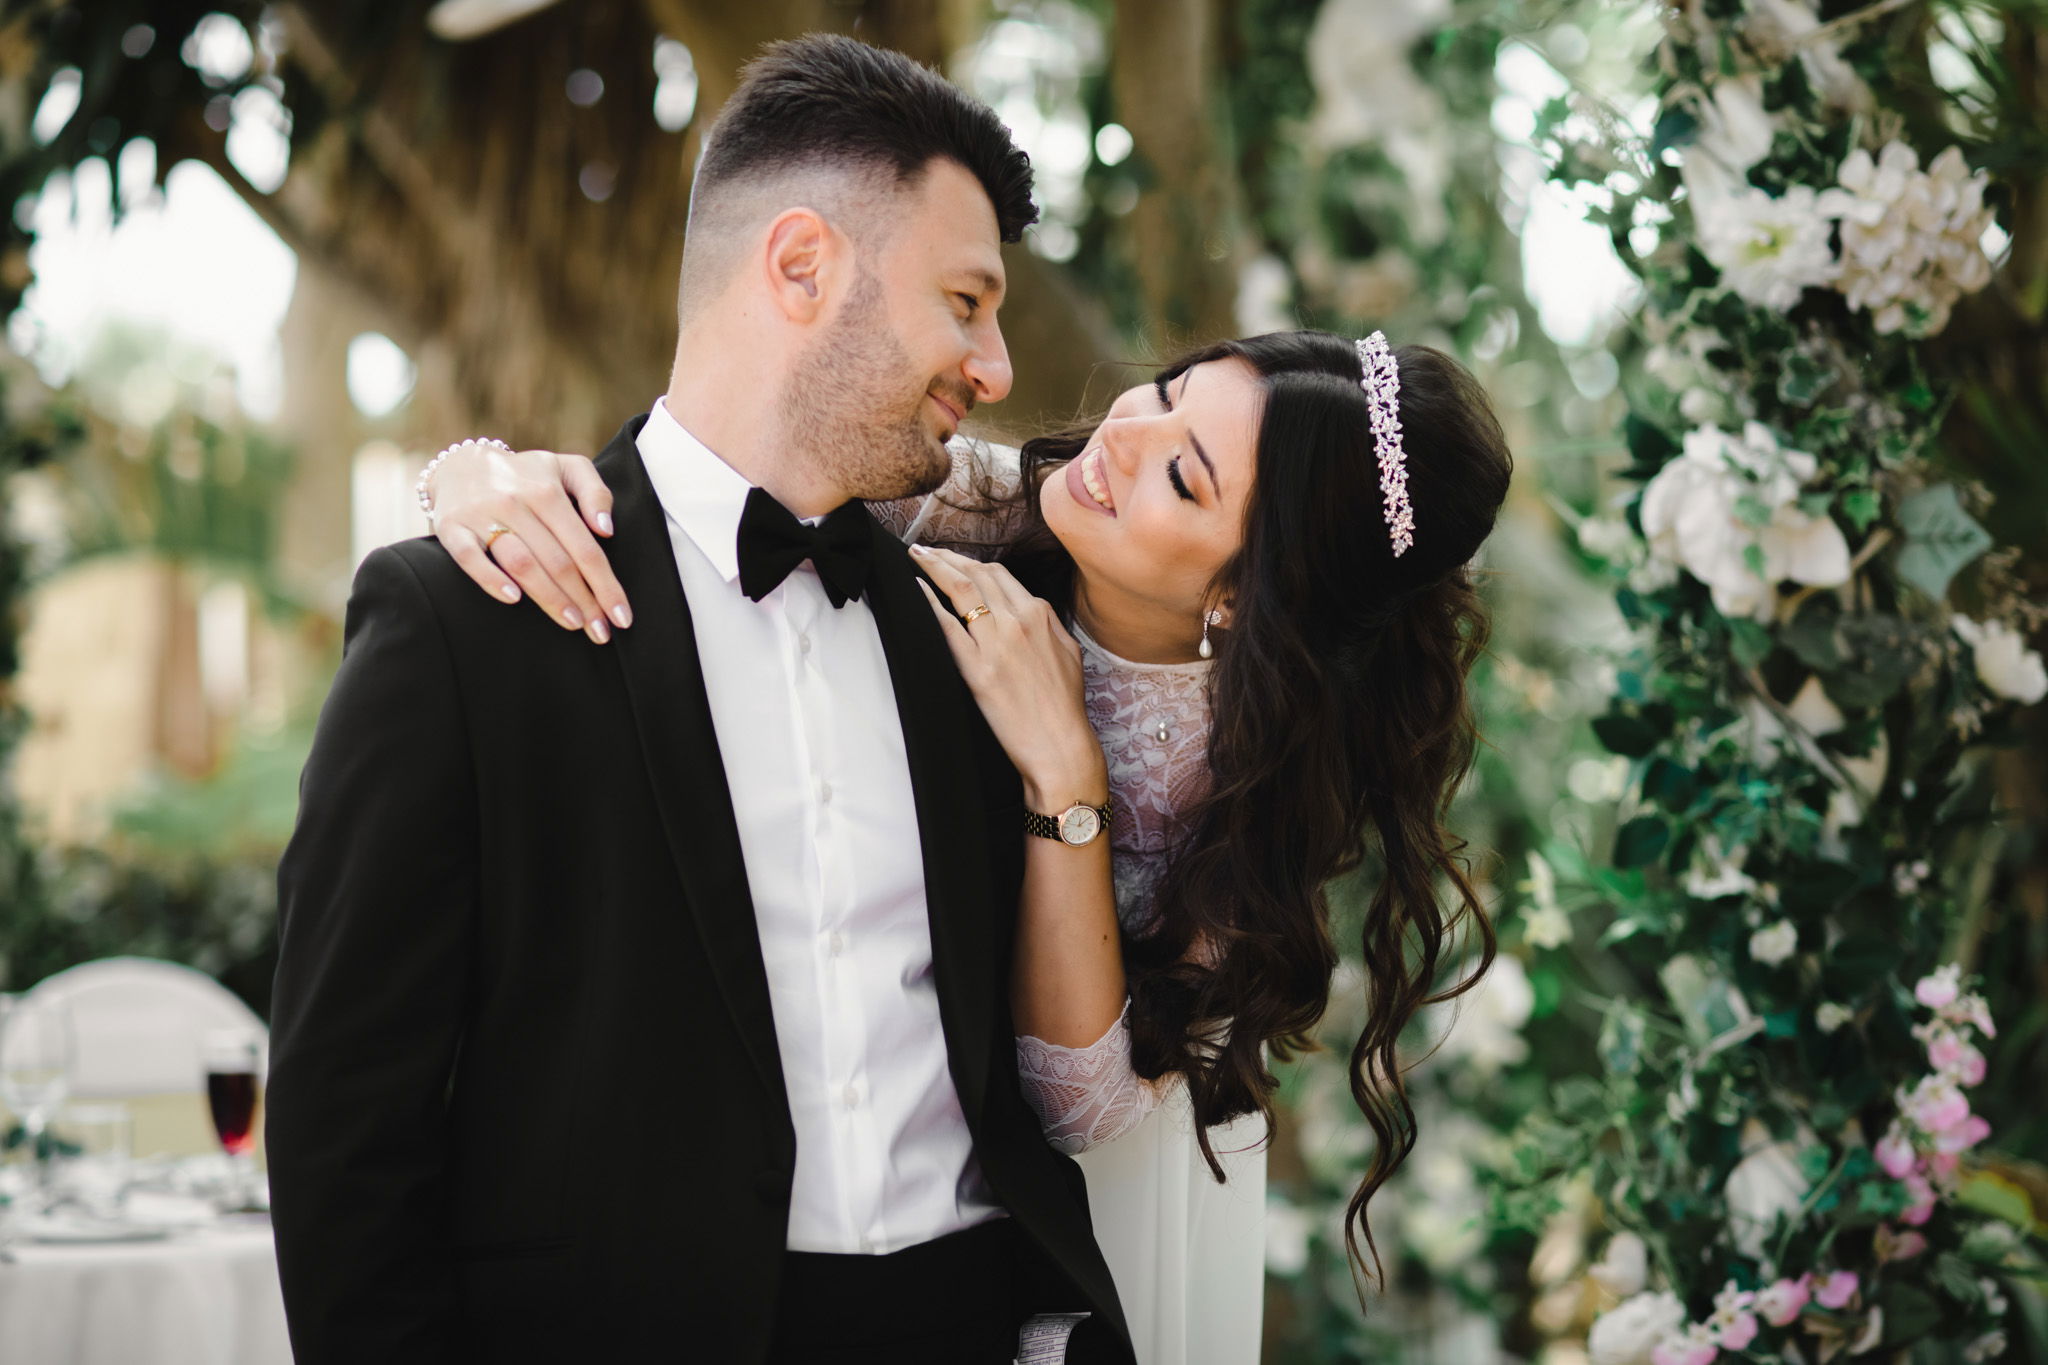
[1214, 618]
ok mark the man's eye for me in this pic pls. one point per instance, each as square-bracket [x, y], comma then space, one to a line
[1173, 477]
[973, 303]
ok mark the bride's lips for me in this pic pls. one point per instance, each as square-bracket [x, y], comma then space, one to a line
[1077, 483]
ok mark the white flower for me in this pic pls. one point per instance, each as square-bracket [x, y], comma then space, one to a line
[1829, 1016]
[1624, 1266]
[1986, 1347]
[1725, 880]
[1483, 1026]
[1692, 514]
[1769, 249]
[1911, 239]
[1767, 1182]
[1774, 943]
[1628, 1332]
[1546, 926]
[1607, 537]
[1735, 133]
[2004, 663]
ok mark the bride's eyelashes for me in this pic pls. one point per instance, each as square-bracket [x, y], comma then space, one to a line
[1173, 477]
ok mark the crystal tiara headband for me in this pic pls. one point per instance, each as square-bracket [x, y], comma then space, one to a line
[1381, 379]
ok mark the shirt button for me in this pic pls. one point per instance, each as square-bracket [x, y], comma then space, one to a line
[849, 1096]
[825, 793]
[835, 944]
[803, 643]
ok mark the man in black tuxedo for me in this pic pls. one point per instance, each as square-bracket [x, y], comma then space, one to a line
[649, 1003]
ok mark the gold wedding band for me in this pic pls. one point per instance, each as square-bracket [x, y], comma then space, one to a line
[492, 532]
[971, 617]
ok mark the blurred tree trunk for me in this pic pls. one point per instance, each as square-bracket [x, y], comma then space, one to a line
[1185, 229]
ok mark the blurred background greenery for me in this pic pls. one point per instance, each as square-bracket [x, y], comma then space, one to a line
[264, 258]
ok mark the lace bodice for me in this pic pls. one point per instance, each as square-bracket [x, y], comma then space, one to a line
[1153, 723]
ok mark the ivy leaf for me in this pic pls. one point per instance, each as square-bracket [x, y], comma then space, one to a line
[1861, 506]
[1749, 641]
[1811, 636]
[1677, 126]
[1909, 1313]
[1637, 843]
[1940, 539]
[1621, 1041]
[1634, 731]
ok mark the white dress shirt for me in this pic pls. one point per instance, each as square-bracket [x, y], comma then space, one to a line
[806, 719]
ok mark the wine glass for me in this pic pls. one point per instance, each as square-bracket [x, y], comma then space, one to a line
[233, 1061]
[36, 1052]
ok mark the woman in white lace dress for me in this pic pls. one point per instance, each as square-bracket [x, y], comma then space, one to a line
[1252, 624]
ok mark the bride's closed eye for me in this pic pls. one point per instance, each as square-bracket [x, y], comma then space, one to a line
[1173, 476]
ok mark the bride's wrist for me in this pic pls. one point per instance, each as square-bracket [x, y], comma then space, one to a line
[424, 489]
[1052, 787]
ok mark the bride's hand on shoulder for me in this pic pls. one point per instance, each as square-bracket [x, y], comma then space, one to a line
[552, 508]
[1025, 672]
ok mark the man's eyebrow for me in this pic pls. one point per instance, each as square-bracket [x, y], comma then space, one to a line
[986, 280]
[1187, 377]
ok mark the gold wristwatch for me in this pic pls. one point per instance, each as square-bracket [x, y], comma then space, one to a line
[1078, 824]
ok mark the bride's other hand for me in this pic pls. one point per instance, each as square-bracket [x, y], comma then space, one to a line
[550, 505]
[1025, 672]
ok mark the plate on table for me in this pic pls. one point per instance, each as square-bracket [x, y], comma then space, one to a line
[89, 1231]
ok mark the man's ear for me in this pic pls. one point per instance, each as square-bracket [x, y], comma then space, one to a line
[800, 259]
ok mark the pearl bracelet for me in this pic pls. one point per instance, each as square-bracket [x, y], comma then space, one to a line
[420, 489]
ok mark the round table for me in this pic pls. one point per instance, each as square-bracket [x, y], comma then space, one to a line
[201, 1297]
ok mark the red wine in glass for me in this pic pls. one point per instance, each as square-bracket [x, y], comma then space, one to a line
[232, 1097]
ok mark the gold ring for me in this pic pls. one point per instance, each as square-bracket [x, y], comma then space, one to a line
[492, 532]
[971, 617]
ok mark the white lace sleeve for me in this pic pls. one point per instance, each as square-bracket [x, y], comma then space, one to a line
[1086, 1096]
[975, 512]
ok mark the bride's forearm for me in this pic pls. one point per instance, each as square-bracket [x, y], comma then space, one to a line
[1067, 985]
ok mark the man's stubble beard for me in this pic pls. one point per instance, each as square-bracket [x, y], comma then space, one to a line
[855, 405]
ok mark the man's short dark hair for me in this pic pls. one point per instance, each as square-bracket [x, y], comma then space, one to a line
[831, 105]
[823, 98]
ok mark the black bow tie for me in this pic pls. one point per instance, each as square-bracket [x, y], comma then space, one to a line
[772, 542]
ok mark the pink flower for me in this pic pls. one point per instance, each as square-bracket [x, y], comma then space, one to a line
[1936, 1106]
[1941, 1165]
[1783, 1300]
[1738, 1331]
[1965, 1135]
[1922, 1207]
[1895, 1152]
[1732, 1325]
[1694, 1347]
[1836, 1290]
[1898, 1246]
[1971, 1009]
[1941, 987]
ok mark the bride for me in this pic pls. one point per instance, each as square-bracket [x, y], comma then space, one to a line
[1238, 613]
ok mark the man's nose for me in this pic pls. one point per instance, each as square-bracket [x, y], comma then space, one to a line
[987, 367]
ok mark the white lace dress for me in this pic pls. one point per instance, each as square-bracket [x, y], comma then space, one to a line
[1187, 1253]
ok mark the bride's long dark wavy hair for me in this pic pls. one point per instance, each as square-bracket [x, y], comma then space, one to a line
[1341, 725]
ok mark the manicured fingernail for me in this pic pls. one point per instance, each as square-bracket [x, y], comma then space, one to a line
[919, 550]
[572, 618]
[604, 523]
[599, 631]
[509, 592]
[623, 615]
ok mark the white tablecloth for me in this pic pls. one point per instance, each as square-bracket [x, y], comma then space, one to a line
[206, 1297]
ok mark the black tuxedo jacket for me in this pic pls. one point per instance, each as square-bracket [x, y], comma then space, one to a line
[525, 1100]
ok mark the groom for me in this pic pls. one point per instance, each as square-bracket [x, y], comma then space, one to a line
[648, 1003]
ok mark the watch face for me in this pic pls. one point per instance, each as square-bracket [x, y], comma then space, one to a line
[1080, 824]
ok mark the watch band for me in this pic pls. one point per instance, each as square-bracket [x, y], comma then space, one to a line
[1048, 826]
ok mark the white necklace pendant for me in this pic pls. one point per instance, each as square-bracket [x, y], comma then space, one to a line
[1162, 734]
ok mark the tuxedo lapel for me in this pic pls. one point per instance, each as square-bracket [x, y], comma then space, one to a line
[939, 724]
[679, 743]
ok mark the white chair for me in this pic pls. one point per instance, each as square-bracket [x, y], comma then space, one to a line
[138, 1028]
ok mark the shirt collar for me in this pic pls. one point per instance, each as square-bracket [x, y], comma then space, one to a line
[699, 492]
